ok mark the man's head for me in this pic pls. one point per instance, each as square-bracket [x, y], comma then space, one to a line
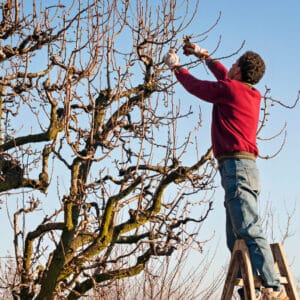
[249, 68]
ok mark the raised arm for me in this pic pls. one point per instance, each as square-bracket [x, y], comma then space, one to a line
[219, 71]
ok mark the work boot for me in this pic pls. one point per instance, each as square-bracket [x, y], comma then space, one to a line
[270, 294]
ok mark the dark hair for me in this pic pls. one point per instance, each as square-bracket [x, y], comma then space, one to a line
[252, 67]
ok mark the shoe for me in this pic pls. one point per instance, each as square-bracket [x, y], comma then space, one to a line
[258, 294]
[270, 294]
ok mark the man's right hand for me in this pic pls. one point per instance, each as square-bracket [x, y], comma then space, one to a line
[189, 49]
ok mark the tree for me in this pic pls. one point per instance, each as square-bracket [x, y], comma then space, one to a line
[84, 98]
[89, 124]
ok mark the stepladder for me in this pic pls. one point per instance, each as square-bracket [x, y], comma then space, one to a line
[240, 266]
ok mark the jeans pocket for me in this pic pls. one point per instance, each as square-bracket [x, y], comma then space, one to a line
[229, 179]
[253, 177]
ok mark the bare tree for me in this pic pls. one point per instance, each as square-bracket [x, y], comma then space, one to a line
[89, 122]
[85, 100]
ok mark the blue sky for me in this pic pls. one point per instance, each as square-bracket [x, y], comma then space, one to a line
[270, 28]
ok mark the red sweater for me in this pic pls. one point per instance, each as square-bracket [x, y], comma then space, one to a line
[235, 112]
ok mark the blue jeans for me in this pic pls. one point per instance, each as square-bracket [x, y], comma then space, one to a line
[240, 180]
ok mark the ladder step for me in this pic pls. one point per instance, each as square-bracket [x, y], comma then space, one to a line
[257, 281]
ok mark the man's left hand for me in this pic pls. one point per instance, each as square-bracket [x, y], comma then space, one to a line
[171, 59]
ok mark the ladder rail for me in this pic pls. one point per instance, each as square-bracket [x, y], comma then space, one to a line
[283, 268]
[239, 259]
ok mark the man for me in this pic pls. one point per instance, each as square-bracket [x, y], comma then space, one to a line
[235, 117]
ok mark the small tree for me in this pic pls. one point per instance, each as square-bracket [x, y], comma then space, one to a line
[89, 124]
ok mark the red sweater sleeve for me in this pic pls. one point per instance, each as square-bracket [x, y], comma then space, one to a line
[210, 91]
[219, 71]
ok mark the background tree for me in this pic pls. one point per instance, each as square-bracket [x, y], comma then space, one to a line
[89, 143]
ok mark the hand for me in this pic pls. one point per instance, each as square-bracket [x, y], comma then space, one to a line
[194, 49]
[171, 59]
